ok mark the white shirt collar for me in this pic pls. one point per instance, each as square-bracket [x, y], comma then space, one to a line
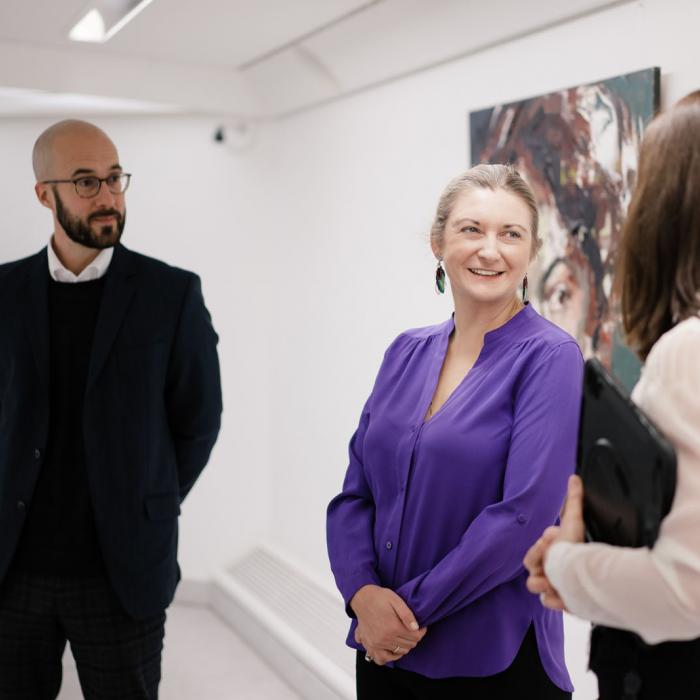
[96, 269]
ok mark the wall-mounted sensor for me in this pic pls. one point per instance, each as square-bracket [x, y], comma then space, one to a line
[236, 135]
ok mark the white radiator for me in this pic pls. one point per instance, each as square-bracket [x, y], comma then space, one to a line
[294, 623]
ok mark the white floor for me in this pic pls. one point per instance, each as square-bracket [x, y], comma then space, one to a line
[576, 638]
[203, 660]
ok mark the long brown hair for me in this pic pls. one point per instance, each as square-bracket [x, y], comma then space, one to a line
[659, 262]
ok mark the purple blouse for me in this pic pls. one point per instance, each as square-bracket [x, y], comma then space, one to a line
[443, 511]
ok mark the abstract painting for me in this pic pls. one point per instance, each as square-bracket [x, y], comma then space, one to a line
[577, 148]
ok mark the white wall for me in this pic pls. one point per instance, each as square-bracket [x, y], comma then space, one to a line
[312, 245]
[190, 204]
[357, 183]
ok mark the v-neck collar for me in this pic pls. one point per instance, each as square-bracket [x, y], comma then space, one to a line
[492, 341]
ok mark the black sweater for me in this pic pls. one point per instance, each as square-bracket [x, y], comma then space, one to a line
[59, 536]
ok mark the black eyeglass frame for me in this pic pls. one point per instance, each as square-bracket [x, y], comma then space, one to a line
[100, 180]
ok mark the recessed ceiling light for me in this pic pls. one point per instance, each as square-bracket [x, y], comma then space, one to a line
[90, 28]
[105, 18]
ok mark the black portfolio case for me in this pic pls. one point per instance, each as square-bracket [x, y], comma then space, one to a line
[628, 468]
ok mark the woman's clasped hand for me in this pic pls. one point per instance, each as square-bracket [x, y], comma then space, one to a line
[386, 627]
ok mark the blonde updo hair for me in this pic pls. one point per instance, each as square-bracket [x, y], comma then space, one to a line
[486, 176]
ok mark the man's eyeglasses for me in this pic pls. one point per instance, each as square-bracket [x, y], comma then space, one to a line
[88, 186]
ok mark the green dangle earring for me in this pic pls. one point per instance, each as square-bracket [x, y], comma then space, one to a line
[440, 278]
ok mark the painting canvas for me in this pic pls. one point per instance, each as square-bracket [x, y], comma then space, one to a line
[577, 148]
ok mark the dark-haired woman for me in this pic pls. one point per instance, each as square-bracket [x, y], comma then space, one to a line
[654, 593]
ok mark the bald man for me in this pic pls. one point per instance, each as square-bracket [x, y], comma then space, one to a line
[110, 404]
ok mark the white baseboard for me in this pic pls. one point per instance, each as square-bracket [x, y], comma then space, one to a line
[298, 625]
[294, 623]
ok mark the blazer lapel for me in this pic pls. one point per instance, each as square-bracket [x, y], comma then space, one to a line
[34, 302]
[119, 288]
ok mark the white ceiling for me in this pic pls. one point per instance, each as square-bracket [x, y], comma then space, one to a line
[221, 33]
[246, 58]
[17, 102]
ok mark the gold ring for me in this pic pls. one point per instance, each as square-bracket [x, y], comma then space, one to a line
[368, 658]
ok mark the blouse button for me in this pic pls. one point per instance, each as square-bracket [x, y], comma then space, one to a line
[388, 544]
[521, 518]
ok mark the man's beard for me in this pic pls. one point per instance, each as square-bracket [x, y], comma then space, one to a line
[81, 232]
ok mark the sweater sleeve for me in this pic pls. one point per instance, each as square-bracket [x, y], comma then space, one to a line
[654, 592]
[541, 457]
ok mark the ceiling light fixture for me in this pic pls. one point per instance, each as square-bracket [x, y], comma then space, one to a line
[105, 18]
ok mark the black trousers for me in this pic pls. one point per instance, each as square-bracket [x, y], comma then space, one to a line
[524, 678]
[116, 656]
[628, 669]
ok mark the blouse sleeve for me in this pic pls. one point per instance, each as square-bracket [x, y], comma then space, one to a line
[541, 457]
[350, 521]
[654, 592]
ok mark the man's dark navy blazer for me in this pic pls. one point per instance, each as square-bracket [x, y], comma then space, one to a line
[152, 411]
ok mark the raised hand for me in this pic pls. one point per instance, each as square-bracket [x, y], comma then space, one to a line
[537, 581]
[571, 529]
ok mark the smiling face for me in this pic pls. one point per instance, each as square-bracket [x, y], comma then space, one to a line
[486, 246]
